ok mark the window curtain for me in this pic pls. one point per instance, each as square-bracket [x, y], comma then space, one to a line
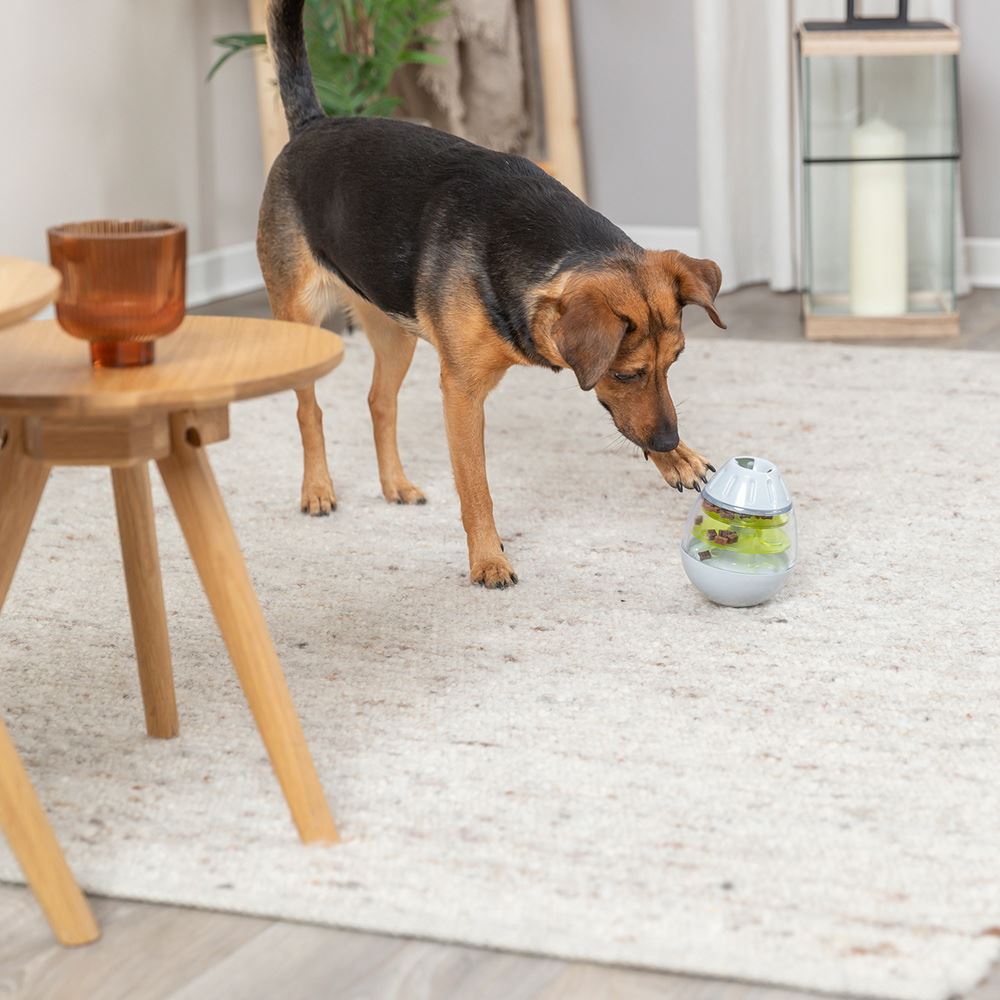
[749, 199]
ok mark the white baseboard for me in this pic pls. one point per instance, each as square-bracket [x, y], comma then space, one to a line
[982, 261]
[233, 270]
[219, 274]
[687, 239]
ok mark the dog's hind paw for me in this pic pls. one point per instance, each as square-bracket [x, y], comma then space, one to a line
[682, 468]
[493, 572]
[318, 498]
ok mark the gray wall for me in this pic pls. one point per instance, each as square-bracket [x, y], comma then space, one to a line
[635, 75]
[106, 112]
[635, 69]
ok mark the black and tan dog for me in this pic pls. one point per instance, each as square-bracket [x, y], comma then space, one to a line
[482, 254]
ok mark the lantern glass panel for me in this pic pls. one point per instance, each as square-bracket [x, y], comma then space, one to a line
[880, 149]
[929, 235]
[915, 94]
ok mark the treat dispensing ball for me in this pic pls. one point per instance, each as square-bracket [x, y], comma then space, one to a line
[739, 542]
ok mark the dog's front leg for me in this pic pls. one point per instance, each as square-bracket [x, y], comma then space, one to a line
[682, 467]
[465, 423]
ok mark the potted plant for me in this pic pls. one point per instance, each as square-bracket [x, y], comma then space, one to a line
[355, 48]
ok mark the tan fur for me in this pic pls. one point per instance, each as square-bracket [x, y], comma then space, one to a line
[681, 467]
[473, 361]
[614, 319]
[393, 346]
[297, 292]
[651, 298]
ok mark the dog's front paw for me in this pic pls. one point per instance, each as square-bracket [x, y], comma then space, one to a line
[402, 491]
[682, 467]
[318, 497]
[493, 572]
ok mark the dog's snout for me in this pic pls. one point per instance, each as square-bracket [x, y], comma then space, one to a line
[664, 440]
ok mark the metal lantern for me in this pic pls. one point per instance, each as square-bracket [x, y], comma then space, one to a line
[880, 153]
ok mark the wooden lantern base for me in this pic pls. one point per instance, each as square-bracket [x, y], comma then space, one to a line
[839, 324]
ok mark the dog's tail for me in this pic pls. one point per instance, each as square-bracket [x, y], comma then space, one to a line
[286, 40]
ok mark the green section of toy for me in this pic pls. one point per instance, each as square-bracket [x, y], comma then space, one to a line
[740, 533]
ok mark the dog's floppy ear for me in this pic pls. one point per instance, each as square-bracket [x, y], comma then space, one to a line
[587, 334]
[697, 281]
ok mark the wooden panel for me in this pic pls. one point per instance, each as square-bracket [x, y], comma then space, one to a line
[210, 427]
[215, 551]
[903, 42]
[96, 442]
[146, 952]
[209, 362]
[22, 481]
[141, 560]
[880, 327]
[25, 287]
[38, 853]
[563, 151]
[22, 819]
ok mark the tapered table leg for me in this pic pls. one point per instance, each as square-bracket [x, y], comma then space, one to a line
[22, 480]
[37, 851]
[210, 537]
[134, 504]
[22, 819]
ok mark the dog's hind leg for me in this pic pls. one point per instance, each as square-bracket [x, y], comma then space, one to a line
[305, 300]
[393, 346]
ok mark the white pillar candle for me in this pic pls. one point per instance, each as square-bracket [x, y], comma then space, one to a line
[878, 222]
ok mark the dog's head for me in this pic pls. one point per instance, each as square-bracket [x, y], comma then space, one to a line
[619, 328]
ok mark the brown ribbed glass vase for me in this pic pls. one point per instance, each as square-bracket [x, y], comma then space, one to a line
[123, 285]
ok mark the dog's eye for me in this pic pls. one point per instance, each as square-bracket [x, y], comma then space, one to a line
[629, 376]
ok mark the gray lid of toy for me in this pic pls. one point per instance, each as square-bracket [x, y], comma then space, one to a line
[749, 485]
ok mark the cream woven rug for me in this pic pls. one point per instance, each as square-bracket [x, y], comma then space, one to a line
[597, 764]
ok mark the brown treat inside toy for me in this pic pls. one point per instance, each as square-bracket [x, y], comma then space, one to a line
[717, 510]
[699, 519]
[704, 554]
[710, 534]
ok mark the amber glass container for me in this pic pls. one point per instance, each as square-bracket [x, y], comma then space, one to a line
[123, 285]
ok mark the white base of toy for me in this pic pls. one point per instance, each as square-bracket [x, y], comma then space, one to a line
[734, 590]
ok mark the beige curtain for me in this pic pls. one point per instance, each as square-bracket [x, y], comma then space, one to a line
[749, 202]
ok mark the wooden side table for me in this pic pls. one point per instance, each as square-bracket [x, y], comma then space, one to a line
[55, 409]
[25, 287]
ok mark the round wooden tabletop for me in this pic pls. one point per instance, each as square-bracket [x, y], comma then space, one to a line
[208, 361]
[25, 287]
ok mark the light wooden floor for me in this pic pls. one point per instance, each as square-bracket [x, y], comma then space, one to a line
[150, 952]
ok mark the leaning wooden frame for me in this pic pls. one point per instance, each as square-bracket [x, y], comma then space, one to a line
[563, 149]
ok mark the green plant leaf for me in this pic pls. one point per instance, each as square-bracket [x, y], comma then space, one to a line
[355, 48]
[234, 44]
[426, 58]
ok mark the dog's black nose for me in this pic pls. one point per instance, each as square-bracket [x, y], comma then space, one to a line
[664, 440]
